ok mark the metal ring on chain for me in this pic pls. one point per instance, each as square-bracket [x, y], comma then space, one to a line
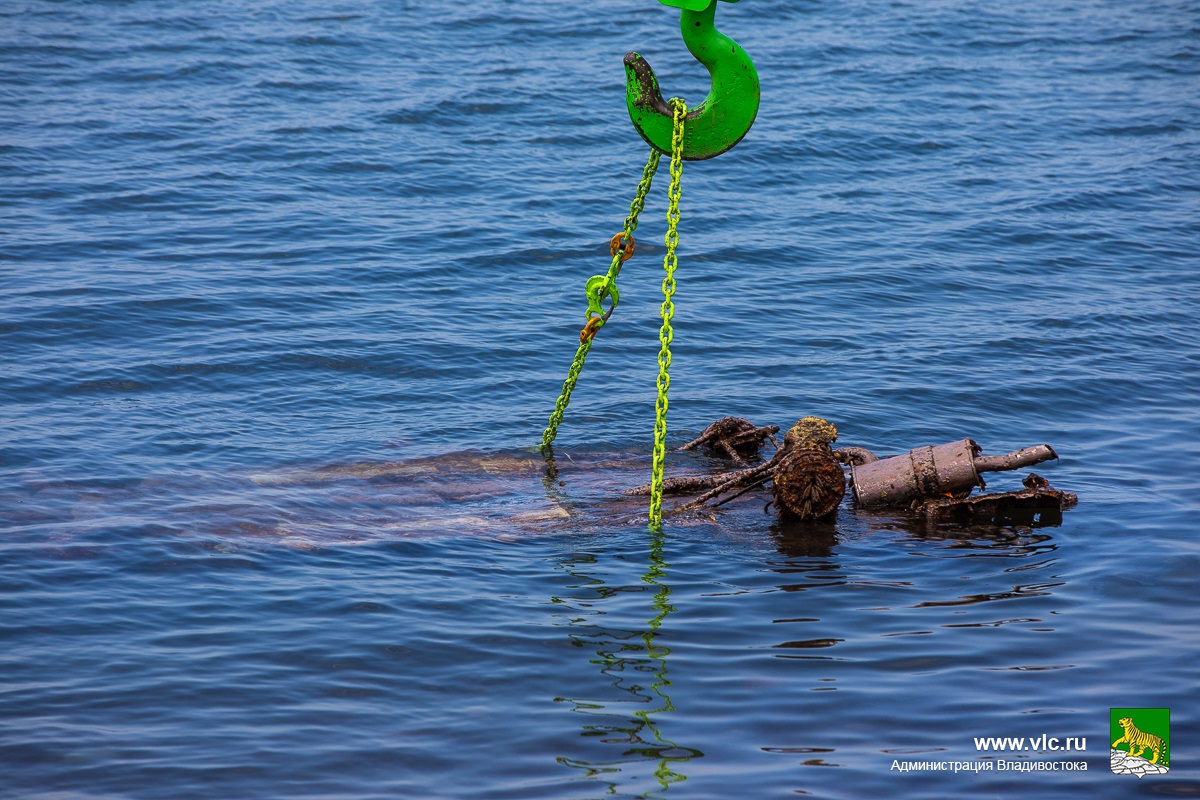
[626, 248]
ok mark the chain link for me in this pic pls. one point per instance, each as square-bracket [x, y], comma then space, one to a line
[596, 316]
[608, 286]
[665, 333]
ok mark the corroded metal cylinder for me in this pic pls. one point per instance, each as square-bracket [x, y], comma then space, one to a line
[919, 473]
[930, 472]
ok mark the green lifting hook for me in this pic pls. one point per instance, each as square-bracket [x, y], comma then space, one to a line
[726, 114]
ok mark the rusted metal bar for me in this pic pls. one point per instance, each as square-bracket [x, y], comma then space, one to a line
[1025, 457]
[689, 483]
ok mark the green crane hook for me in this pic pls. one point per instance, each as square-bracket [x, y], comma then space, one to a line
[726, 114]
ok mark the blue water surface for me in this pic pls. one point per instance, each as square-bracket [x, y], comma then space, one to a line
[287, 293]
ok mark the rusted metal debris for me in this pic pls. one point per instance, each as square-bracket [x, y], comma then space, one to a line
[734, 437]
[924, 473]
[1037, 504]
[807, 481]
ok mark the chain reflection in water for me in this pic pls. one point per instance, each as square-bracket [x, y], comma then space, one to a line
[621, 651]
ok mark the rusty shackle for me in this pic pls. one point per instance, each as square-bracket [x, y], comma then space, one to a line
[928, 472]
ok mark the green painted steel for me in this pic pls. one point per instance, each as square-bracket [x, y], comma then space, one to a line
[691, 5]
[726, 114]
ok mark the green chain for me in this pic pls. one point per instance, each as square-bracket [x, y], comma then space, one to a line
[666, 334]
[599, 287]
[560, 407]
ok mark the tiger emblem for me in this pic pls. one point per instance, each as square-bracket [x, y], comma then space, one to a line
[1139, 741]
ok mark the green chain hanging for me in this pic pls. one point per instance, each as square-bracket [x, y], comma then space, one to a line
[604, 286]
[665, 333]
[598, 287]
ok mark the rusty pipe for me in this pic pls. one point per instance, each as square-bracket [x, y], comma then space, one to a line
[1025, 457]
